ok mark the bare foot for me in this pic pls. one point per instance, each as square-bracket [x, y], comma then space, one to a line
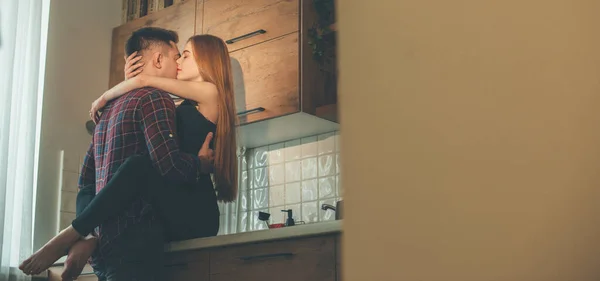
[51, 252]
[78, 256]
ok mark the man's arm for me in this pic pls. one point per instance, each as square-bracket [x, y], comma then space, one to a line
[157, 114]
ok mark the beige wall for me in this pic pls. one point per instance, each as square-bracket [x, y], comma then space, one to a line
[77, 64]
[489, 166]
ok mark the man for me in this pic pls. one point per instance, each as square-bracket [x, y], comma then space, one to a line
[130, 246]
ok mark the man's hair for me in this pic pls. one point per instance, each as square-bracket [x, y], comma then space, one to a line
[144, 38]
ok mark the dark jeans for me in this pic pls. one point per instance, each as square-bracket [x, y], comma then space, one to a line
[136, 256]
[186, 211]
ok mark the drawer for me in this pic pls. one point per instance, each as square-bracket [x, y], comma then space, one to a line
[266, 76]
[186, 266]
[243, 20]
[290, 260]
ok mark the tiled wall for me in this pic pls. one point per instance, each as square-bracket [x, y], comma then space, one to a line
[68, 193]
[300, 175]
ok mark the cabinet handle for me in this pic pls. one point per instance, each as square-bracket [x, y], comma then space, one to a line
[254, 110]
[177, 265]
[246, 36]
[249, 258]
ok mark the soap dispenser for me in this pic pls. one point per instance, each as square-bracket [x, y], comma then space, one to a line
[290, 220]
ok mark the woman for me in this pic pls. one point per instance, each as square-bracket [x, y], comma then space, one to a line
[204, 77]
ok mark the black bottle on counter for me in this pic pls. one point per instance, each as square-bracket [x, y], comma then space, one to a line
[290, 220]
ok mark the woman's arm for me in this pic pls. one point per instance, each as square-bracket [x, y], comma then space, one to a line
[200, 92]
[122, 88]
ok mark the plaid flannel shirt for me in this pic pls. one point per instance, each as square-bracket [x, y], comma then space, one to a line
[140, 122]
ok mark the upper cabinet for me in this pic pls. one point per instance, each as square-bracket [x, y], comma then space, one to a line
[242, 23]
[266, 79]
[180, 17]
[281, 92]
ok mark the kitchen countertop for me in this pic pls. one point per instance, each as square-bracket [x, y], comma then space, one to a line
[256, 236]
[303, 230]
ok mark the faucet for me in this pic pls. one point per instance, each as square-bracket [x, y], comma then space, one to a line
[326, 207]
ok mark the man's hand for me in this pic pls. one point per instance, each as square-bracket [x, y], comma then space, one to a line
[133, 66]
[207, 155]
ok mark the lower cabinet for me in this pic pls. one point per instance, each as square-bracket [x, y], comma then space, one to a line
[187, 266]
[298, 259]
[292, 260]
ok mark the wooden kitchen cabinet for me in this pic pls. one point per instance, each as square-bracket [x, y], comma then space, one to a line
[187, 266]
[180, 17]
[242, 23]
[291, 260]
[266, 76]
[279, 88]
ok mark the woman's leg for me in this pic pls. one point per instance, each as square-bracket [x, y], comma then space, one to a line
[134, 177]
[125, 186]
[85, 195]
[189, 210]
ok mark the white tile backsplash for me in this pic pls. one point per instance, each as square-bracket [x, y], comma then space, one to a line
[293, 193]
[326, 143]
[261, 156]
[65, 219]
[260, 198]
[309, 147]
[293, 150]
[293, 171]
[310, 190]
[277, 195]
[244, 181]
[72, 162]
[260, 177]
[309, 168]
[70, 181]
[67, 201]
[327, 187]
[277, 174]
[310, 212]
[326, 165]
[299, 174]
[276, 153]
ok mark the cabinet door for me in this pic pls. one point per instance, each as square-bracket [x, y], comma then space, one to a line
[187, 266]
[266, 76]
[179, 18]
[290, 260]
[244, 21]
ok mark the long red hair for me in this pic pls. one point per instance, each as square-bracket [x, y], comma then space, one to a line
[214, 65]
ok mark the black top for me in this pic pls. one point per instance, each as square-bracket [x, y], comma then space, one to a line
[192, 128]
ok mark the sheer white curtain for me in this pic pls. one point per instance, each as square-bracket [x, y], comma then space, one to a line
[23, 29]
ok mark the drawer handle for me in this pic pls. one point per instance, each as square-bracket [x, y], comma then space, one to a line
[87, 273]
[267, 256]
[249, 111]
[246, 36]
[177, 265]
